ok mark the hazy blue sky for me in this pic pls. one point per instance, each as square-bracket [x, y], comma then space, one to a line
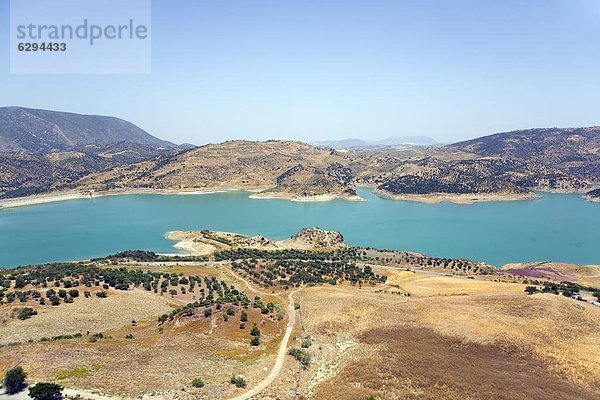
[311, 70]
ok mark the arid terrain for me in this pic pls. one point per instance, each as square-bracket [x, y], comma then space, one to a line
[334, 322]
[46, 152]
[299, 171]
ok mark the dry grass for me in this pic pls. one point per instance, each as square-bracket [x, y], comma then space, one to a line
[422, 285]
[560, 331]
[158, 359]
[151, 362]
[454, 338]
[493, 342]
[85, 314]
[419, 363]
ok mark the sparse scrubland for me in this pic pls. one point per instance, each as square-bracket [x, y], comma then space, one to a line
[363, 322]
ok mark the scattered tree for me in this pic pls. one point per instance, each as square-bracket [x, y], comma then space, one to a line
[531, 289]
[255, 331]
[14, 380]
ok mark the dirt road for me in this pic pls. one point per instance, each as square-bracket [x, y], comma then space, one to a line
[280, 354]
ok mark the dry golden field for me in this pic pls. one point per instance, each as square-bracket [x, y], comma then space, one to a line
[86, 314]
[452, 338]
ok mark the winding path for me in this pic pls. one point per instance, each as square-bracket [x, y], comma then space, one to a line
[280, 354]
[279, 361]
[249, 285]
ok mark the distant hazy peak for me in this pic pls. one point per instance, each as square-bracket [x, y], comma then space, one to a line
[393, 141]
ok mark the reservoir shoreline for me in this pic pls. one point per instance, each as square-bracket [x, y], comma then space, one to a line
[261, 193]
[497, 233]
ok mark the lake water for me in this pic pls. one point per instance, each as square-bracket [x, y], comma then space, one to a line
[558, 227]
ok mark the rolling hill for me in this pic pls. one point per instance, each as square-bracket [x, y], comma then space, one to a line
[391, 142]
[41, 148]
[59, 151]
[277, 168]
[576, 150]
[42, 131]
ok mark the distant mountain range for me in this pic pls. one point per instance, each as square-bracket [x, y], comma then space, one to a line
[42, 151]
[287, 169]
[394, 141]
[39, 148]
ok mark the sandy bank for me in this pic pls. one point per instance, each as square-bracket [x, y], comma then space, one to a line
[74, 195]
[41, 199]
[63, 196]
[435, 198]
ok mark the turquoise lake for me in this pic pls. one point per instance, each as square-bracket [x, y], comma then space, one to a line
[558, 227]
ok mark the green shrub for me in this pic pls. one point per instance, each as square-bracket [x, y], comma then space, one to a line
[45, 391]
[198, 382]
[26, 313]
[307, 342]
[301, 355]
[238, 380]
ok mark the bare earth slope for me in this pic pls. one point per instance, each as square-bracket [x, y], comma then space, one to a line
[279, 168]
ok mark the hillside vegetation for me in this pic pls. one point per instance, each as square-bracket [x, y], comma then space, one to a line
[300, 171]
[44, 151]
[347, 323]
[40, 149]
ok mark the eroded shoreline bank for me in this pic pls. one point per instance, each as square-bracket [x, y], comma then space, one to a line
[262, 193]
